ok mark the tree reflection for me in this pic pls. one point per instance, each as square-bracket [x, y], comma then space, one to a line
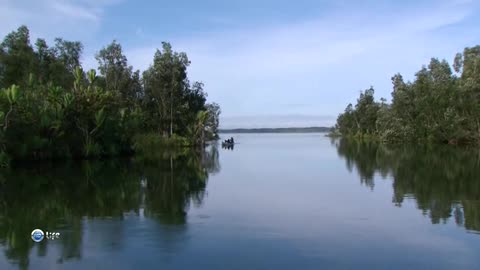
[62, 197]
[444, 180]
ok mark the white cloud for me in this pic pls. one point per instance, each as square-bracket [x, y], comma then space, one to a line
[140, 32]
[73, 20]
[78, 19]
[75, 11]
[322, 62]
[10, 14]
[275, 121]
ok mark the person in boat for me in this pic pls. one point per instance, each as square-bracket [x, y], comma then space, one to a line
[229, 141]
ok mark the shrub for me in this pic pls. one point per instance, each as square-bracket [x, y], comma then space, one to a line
[4, 160]
[150, 145]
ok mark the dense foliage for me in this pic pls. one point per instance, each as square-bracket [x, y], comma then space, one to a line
[440, 105]
[51, 108]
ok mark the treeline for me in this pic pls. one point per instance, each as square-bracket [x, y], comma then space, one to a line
[440, 105]
[51, 108]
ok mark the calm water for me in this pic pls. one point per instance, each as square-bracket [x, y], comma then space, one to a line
[276, 201]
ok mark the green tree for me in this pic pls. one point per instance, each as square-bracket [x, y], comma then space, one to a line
[16, 58]
[213, 120]
[165, 83]
[118, 75]
[50, 108]
[437, 106]
[67, 55]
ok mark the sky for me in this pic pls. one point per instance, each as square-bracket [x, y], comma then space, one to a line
[268, 63]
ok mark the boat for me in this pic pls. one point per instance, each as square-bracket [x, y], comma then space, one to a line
[227, 144]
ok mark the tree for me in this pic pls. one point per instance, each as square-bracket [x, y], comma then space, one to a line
[360, 120]
[166, 83]
[199, 128]
[67, 55]
[50, 108]
[16, 58]
[346, 123]
[366, 111]
[437, 106]
[469, 63]
[45, 57]
[213, 120]
[113, 66]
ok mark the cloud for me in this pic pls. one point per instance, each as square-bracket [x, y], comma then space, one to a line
[78, 19]
[303, 62]
[140, 32]
[323, 62]
[275, 121]
[73, 20]
[319, 61]
[10, 13]
[76, 11]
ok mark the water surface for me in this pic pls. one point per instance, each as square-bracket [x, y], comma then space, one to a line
[275, 201]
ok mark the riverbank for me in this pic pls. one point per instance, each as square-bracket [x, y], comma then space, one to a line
[51, 108]
[439, 106]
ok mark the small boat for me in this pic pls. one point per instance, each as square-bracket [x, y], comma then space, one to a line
[227, 144]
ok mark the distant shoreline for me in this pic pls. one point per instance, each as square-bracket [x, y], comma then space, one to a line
[277, 130]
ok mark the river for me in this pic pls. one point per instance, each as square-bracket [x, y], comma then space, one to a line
[275, 201]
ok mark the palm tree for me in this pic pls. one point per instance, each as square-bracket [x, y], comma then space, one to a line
[197, 131]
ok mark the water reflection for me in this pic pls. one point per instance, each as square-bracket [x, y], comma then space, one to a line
[444, 180]
[66, 197]
[228, 146]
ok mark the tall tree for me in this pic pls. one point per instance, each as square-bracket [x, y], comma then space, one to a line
[50, 108]
[45, 58]
[113, 65]
[213, 120]
[469, 64]
[165, 84]
[67, 58]
[437, 106]
[16, 58]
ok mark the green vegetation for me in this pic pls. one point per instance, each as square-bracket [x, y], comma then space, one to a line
[51, 108]
[439, 106]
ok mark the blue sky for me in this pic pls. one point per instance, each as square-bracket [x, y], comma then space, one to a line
[267, 63]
